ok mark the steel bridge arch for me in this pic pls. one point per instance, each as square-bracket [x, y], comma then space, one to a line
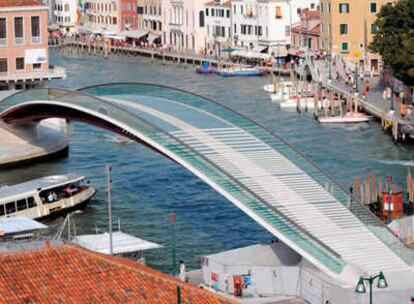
[98, 105]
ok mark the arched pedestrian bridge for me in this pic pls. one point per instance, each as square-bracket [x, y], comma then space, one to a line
[254, 169]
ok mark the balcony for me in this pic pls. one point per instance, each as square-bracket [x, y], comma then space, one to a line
[18, 40]
[3, 41]
[51, 73]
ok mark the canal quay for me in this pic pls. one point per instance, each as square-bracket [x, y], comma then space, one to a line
[147, 186]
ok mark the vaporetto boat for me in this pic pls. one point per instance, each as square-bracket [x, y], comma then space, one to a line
[45, 198]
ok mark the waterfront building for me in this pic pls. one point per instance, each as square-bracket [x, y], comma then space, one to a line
[150, 18]
[24, 59]
[184, 25]
[83, 276]
[102, 16]
[347, 27]
[265, 26]
[129, 15]
[66, 15]
[218, 22]
[306, 34]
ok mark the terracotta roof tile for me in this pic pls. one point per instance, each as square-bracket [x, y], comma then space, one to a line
[69, 274]
[14, 3]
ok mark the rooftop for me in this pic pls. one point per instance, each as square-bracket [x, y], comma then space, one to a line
[19, 224]
[68, 274]
[14, 3]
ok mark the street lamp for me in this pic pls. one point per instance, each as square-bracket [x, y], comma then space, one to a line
[172, 217]
[382, 283]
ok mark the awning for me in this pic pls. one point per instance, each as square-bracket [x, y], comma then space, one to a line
[279, 50]
[260, 48]
[138, 34]
[122, 243]
[250, 55]
[152, 37]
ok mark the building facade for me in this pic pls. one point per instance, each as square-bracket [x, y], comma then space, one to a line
[218, 23]
[184, 25]
[150, 16]
[102, 16]
[347, 27]
[24, 43]
[306, 34]
[66, 15]
[129, 15]
[266, 24]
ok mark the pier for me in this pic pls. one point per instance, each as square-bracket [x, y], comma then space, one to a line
[100, 48]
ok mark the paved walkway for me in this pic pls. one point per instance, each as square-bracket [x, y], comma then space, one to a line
[31, 141]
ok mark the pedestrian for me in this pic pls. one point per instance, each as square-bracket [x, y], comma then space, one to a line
[403, 109]
[367, 85]
[182, 275]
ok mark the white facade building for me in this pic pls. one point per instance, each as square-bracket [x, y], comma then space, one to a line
[184, 25]
[102, 16]
[65, 14]
[218, 23]
[264, 25]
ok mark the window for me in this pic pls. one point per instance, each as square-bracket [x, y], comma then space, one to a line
[35, 23]
[31, 202]
[21, 205]
[321, 6]
[373, 28]
[10, 207]
[3, 31]
[373, 7]
[343, 29]
[343, 8]
[3, 65]
[37, 66]
[235, 29]
[66, 7]
[18, 30]
[20, 63]
[241, 9]
[259, 31]
[228, 13]
[212, 12]
[1, 210]
[206, 12]
[234, 9]
[278, 12]
[344, 47]
[201, 18]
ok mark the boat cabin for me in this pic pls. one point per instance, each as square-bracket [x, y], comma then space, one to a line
[45, 197]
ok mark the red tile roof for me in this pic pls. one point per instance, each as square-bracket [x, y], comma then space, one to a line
[311, 14]
[69, 274]
[226, 4]
[14, 3]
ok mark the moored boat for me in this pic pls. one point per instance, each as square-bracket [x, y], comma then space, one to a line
[45, 198]
[344, 119]
[205, 68]
[242, 72]
[303, 103]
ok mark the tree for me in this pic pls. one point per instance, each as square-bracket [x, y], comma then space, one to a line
[394, 39]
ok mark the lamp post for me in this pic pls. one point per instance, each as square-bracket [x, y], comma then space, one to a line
[172, 218]
[382, 283]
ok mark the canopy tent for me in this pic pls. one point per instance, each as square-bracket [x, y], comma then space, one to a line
[250, 55]
[122, 243]
[138, 34]
[279, 50]
[152, 37]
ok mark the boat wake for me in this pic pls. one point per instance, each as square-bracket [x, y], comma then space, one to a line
[117, 139]
[405, 163]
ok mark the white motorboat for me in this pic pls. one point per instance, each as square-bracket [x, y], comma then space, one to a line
[344, 119]
[304, 103]
[45, 197]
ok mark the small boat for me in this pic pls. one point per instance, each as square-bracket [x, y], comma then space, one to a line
[242, 72]
[349, 117]
[304, 103]
[205, 68]
[274, 87]
[45, 198]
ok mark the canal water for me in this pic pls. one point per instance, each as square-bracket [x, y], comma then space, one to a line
[146, 186]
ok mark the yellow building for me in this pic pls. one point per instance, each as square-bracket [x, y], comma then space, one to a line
[347, 27]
